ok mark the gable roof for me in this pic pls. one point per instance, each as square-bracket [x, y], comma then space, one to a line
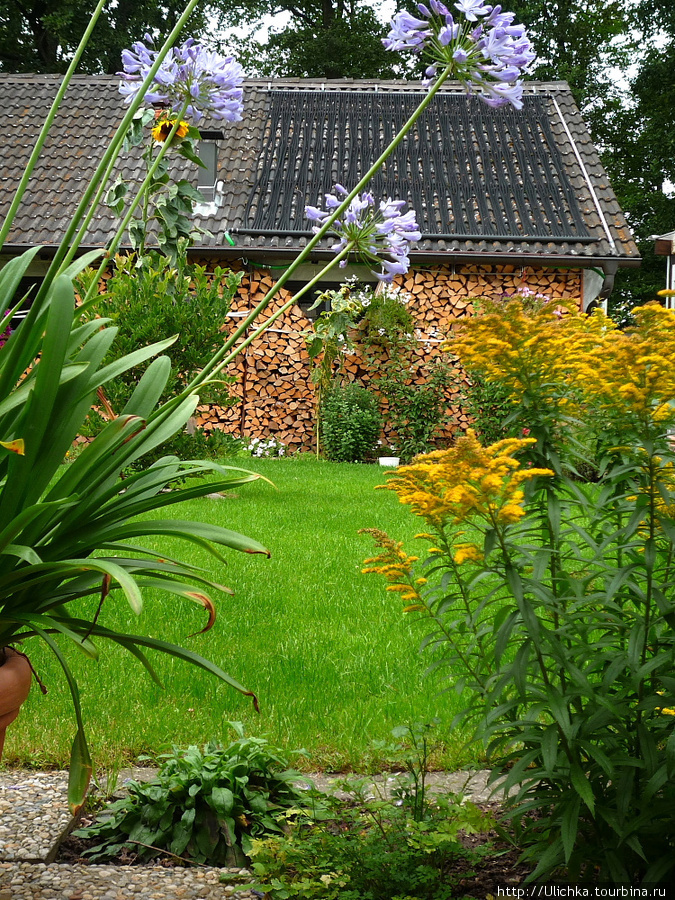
[486, 184]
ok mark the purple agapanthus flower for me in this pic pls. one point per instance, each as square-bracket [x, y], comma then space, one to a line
[370, 230]
[210, 82]
[484, 50]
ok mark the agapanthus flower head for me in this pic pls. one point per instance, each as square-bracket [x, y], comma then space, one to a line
[372, 231]
[209, 82]
[482, 47]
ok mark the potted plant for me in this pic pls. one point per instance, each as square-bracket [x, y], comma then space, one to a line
[15, 681]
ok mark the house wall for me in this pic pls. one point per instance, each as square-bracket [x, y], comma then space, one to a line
[274, 389]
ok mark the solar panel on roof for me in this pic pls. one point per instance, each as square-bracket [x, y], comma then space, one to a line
[469, 171]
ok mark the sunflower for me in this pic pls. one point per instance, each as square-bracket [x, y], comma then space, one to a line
[163, 127]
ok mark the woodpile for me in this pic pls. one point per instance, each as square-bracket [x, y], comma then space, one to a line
[275, 395]
[274, 392]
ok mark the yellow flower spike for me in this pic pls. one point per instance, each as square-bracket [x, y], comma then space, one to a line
[666, 292]
[467, 553]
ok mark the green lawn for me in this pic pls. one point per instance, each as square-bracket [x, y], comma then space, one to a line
[333, 660]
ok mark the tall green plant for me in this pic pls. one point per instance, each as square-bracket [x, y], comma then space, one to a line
[551, 600]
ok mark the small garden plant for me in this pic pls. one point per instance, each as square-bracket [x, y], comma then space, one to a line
[206, 806]
[351, 421]
[407, 845]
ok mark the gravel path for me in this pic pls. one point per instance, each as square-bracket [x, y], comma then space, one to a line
[34, 817]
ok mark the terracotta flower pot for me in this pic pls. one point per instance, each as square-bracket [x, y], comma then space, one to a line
[15, 681]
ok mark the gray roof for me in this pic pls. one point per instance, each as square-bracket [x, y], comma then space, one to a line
[486, 184]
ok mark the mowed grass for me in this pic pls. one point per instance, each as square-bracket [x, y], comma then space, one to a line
[329, 653]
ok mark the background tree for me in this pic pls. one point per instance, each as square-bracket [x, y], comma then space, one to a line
[640, 151]
[41, 35]
[321, 39]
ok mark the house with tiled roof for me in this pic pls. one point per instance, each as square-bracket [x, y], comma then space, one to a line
[504, 198]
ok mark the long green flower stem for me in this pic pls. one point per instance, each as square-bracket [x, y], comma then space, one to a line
[217, 361]
[72, 239]
[140, 195]
[48, 122]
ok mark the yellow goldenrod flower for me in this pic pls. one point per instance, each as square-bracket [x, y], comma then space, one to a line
[396, 566]
[467, 552]
[466, 482]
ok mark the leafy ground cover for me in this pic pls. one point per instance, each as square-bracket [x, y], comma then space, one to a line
[331, 657]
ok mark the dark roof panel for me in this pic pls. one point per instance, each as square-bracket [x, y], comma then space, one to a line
[313, 139]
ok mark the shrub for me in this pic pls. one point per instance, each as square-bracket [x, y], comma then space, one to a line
[205, 805]
[489, 406]
[417, 412]
[351, 423]
[148, 299]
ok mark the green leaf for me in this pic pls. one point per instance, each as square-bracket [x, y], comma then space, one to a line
[582, 786]
[569, 826]
[549, 748]
[186, 149]
[182, 832]
[222, 801]
[80, 759]
[149, 389]
[670, 754]
[11, 275]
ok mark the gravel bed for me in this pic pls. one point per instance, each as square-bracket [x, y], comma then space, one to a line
[33, 813]
[37, 881]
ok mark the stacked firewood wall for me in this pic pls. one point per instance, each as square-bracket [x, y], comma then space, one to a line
[274, 391]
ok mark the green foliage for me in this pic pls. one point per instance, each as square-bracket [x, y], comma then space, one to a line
[322, 39]
[551, 601]
[331, 338]
[351, 423]
[411, 752]
[148, 300]
[370, 849]
[379, 323]
[489, 406]
[416, 411]
[166, 209]
[41, 35]
[204, 805]
[386, 322]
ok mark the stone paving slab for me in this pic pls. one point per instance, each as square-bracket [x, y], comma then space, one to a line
[33, 814]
